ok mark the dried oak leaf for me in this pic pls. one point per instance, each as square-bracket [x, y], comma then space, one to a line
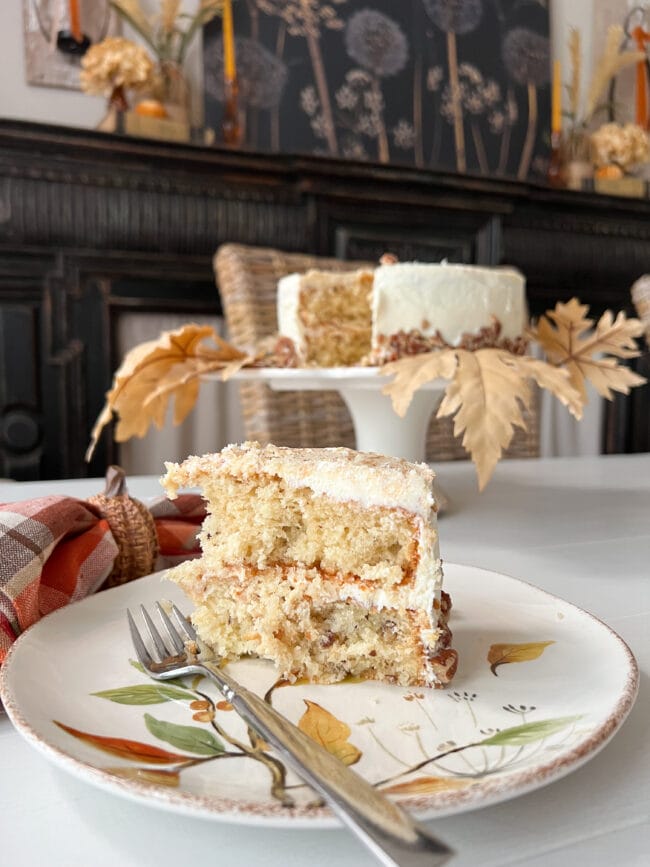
[487, 395]
[154, 372]
[569, 340]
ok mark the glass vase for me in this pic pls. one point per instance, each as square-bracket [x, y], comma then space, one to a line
[173, 91]
[577, 162]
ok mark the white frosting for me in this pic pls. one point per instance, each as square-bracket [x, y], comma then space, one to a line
[451, 299]
[418, 596]
[288, 301]
[339, 473]
[331, 480]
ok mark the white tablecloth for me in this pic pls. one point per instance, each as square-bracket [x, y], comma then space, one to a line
[579, 528]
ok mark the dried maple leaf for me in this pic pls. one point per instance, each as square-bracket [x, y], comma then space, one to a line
[486, 395]
[554, 379]
[154, 372]
[413, 372]
[488, 388]
[569, 340]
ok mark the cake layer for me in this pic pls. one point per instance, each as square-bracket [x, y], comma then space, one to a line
[326, 315]
[340, 473]
[310, 627]
[446, 299]
[267, 523]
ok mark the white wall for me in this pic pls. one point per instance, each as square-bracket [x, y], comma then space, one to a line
[22, 101]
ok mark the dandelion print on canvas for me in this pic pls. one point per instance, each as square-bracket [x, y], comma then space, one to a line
[456, 85]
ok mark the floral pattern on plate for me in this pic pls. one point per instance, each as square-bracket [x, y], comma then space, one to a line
[540, 688]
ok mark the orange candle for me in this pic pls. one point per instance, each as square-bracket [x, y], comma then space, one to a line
[641, 37]
[556, 99]
[75, 23]
[229, 64]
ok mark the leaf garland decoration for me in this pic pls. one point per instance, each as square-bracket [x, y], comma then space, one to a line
[486, 398]
[156, 371]
[489, 387]
[487, 392]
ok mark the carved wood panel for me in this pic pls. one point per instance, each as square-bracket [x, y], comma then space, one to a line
[448, 238]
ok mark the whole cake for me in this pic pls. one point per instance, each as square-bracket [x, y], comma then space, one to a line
[400, 309]
[324, 561]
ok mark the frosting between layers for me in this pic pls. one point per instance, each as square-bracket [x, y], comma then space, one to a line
[446, 298]
[420, 596]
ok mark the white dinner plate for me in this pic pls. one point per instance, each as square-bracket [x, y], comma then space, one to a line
[540, 688]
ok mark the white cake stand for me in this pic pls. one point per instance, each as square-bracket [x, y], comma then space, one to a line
[377, 426]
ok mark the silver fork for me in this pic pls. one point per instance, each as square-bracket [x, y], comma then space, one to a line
[384, 827]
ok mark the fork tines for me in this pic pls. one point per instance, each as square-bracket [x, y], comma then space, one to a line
[162, 649]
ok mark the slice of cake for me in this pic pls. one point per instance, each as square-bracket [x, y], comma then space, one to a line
[327, 315]
[322, 560]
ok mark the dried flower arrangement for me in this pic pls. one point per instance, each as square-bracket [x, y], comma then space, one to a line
[486, 392]
[169, 35]
[616, 149]
[164, 33]
[606, 68]
[114, 65]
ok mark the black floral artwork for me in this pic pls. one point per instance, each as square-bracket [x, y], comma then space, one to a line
[459, 85]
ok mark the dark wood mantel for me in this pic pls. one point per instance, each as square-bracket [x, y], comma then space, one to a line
[92, 224]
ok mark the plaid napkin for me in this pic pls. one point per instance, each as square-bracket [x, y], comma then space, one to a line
[56, 550]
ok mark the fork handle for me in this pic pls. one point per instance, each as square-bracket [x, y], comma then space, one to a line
[387, 830]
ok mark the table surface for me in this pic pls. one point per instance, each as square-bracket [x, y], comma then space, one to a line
[577, 527]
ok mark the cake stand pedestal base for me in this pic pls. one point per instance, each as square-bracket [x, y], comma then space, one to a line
[377, 426]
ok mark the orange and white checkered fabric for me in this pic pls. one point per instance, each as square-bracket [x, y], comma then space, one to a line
[55, 550]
